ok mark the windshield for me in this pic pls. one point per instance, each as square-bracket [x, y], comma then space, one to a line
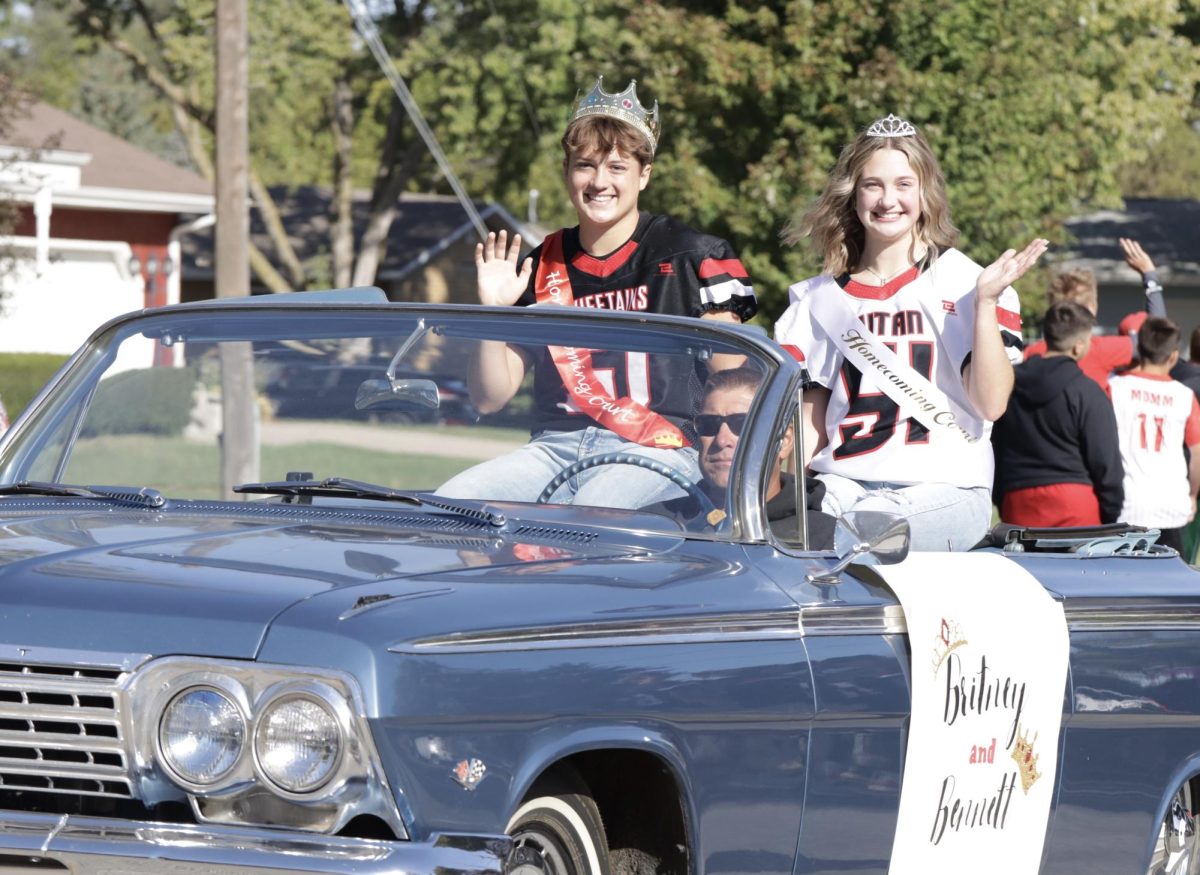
[531, 408]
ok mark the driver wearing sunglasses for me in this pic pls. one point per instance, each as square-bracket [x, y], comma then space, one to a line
[723, 414]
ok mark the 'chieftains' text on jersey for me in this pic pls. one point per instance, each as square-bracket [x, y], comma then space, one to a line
[665, 267]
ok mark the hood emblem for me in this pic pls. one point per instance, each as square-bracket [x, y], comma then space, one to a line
[469, 773]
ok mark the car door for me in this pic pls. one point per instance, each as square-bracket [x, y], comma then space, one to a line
[853, 634]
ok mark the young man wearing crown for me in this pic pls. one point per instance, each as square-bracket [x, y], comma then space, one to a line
[616, 258]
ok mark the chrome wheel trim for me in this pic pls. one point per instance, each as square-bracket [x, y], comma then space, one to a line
[536, 850]
[555, 838]
[1177, 848]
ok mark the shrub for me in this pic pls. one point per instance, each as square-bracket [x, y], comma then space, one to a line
[22, 376]
[147, 401]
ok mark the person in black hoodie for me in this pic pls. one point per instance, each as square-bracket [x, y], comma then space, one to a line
[1058, 459]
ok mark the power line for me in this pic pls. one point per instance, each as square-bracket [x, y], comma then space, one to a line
[533, 122]
[370, 35]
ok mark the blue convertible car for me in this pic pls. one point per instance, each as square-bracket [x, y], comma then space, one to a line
[237, 641]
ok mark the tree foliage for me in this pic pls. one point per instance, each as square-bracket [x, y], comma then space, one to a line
[1171, 167]
[14, 102]
[93, 83]
[1034, 106]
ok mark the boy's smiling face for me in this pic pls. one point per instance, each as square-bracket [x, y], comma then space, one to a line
[603, 188]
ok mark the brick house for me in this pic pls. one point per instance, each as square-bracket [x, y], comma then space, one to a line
[98, 234]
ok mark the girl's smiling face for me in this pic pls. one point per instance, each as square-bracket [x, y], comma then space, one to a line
[888, 196]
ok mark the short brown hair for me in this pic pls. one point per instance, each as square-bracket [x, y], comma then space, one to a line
[602, 133]
[1157, 339]
[733, 378]
[1065, 324]
[1194, 346]
[1078, 286]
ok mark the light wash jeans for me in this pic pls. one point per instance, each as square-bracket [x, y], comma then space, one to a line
[941, 517]
[522, 474]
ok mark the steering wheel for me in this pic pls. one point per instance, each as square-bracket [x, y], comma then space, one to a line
[710, 511]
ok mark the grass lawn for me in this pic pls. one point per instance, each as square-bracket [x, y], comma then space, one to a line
[516, 436]
[181, 469]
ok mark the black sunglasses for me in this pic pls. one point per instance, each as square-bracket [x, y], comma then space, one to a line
[708, 424]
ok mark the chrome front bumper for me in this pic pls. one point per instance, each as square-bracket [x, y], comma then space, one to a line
[99, 846]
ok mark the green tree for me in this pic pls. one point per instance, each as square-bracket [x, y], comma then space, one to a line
[166, 51]
[319, 110]
[1033, 106]
[14, 102]
[94, 86]
[1171, 167]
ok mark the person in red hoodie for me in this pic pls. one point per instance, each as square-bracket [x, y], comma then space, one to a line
[1108, 353]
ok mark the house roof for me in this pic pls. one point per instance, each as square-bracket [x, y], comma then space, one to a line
[1168, 229]
[114, 163]
[424, 225]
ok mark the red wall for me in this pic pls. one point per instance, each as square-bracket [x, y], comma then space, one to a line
[75, 224]
[146, 233]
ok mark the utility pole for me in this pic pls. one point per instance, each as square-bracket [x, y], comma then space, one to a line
[239, 409]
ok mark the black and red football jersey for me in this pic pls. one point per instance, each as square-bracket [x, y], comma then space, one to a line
[665, 267]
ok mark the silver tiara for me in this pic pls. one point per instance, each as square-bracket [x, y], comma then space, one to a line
[891, 127]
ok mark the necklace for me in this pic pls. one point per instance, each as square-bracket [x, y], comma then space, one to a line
[884, 280]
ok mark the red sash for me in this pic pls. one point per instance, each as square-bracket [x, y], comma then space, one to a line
[624, 416]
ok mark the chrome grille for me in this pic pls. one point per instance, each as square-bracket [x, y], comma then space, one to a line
[60, 730]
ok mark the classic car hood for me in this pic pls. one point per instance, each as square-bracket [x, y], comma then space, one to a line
[132, 581]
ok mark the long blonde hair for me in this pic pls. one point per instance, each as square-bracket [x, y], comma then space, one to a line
[831, 221]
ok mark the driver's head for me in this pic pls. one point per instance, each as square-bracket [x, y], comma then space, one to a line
[727, 398]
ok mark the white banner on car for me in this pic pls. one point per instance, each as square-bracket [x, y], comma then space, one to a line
[989, 652]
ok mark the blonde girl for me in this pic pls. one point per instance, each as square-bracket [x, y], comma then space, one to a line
[909, 345]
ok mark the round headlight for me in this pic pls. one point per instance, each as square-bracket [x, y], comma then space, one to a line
[298, 743]
[201, 735]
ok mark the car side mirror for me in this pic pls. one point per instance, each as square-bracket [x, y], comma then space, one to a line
[881, 537]
[423, 393]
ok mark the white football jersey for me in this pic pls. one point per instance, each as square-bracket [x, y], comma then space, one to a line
[1156, 418]
[928, 320]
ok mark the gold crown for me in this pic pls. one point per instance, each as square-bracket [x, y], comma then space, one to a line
[1026, 760]
[948, 638]
[623, 107]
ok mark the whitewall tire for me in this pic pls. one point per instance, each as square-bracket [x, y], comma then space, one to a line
[558, 834]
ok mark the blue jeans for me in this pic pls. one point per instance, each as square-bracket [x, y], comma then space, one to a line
[522, 474]
[941, 517]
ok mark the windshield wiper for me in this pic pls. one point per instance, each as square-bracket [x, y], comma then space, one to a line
[341, 487]
[144, 496]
